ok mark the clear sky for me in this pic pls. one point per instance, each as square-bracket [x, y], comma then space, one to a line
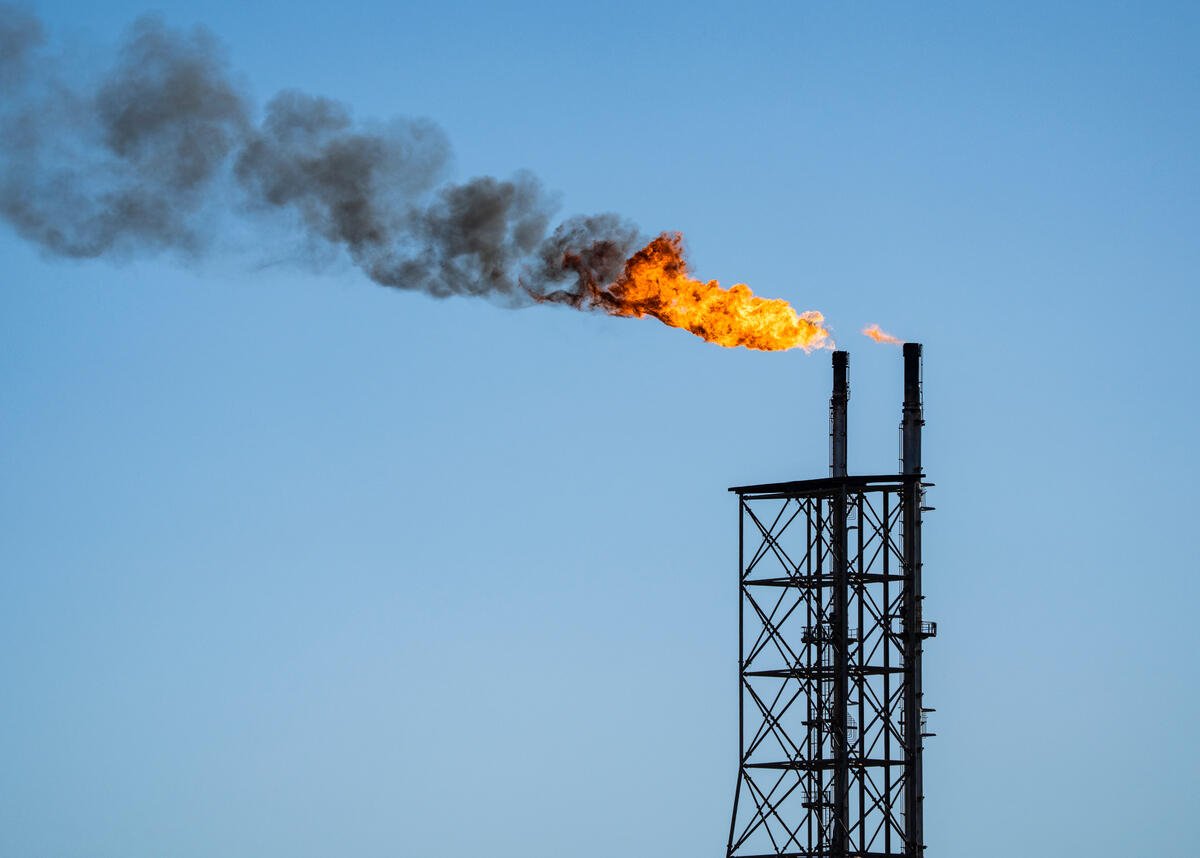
[296, 565]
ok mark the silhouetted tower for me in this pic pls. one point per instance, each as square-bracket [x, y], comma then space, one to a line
[831, 717]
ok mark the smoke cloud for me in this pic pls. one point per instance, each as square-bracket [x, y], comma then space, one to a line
[164, 147]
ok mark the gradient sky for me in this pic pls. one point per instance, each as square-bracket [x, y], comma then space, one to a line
[295, 565]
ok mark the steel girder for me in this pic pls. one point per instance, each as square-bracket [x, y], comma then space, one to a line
[831, 636]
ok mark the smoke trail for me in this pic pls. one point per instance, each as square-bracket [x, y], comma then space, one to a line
[20, 35]
[156, 153]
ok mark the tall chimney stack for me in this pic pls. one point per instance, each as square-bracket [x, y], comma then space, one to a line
[914, 413]
[837, 414]
[845, 557]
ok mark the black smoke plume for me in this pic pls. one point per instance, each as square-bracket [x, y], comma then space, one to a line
[164, 148]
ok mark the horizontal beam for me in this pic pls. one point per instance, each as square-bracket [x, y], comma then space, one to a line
[809, 581]
[818, 671]
[825, 485]
[824, 763]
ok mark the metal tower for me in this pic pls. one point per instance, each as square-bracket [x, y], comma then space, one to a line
[831, 719]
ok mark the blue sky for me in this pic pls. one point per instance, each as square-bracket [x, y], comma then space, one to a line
[296, 565]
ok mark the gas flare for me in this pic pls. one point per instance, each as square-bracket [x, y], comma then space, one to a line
[144, 158]
[655, 282]
[881, 336]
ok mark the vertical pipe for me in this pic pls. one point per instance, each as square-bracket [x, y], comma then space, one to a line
[839, 705]
[861, 658]
[887, 675]
[822, 697]
[910, 444]
[914, 417]
[837, 414]
[812, 652]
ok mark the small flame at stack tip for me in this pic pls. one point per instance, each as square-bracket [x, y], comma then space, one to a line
[881, 336]
[655, 282]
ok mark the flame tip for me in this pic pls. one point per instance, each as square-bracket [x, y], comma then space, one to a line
[881, 336]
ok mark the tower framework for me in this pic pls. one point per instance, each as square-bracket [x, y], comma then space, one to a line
[831, 717]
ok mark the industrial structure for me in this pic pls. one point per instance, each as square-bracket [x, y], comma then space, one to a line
[831, 718]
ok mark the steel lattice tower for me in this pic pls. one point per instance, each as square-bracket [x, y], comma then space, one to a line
[831, 719]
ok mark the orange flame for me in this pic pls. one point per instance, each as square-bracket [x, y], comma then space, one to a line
[655, 282]
[881, 336]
